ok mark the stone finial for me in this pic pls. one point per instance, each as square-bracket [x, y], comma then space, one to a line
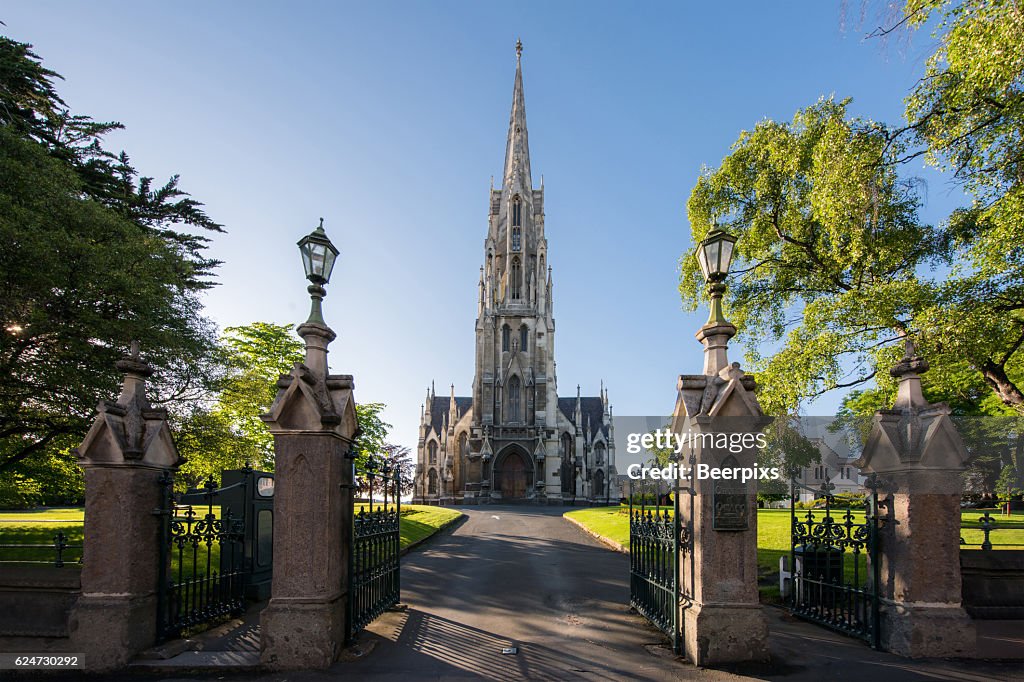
[909, 371]
[130, 430]
[915, 435]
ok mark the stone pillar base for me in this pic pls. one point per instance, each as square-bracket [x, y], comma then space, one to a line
[714, 634]
[927, 631]
[111, 629]
[301, 634]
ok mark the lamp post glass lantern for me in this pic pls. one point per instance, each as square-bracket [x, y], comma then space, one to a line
[318, 257]
[714, 255]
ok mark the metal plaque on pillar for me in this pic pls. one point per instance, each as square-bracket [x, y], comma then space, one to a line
[731, 508]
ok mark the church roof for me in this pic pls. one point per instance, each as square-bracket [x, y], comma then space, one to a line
[590, 406]
[440, 406]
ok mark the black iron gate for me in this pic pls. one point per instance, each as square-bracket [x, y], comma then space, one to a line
[202, 576]
[654, 542]
[834, 563]
[374, 575]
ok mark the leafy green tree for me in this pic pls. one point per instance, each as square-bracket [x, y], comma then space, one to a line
[788, 450]
[836, 269]
[829, 243]
[371, 441]
[227, 433]
[1009, 486]
[966, 117]
[93, 257]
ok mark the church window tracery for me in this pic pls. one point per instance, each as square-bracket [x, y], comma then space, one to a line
[513, 400]
[506, 338]
[432, 452]
[516, 277]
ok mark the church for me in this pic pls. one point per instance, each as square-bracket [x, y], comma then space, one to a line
[515, 439]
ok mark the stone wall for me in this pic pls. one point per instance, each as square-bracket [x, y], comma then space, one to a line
[993, 583]
[35, 601]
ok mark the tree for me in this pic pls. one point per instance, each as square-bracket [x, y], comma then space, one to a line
[93, 257]
[371, 441]
[958, 288]
[836, 265]
[226, 432]
[391, 459]
[829, 243]
[966, 117]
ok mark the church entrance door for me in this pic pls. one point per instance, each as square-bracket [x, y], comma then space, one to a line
[514, 476]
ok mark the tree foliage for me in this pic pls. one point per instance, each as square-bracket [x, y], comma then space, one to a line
[966, 117]
[830, 241]
[92, 257]
[837, 267]
[226, 432]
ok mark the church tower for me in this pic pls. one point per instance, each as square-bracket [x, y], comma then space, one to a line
[514, 439]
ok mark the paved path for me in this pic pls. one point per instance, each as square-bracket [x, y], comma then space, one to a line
[516, 577]
[524, 577]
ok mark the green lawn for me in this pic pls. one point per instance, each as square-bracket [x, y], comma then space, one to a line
[421, 521]
[39, 527]
[773, 536]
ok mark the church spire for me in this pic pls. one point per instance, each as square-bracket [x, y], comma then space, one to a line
[517, 149]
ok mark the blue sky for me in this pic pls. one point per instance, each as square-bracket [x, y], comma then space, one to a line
[389, 118]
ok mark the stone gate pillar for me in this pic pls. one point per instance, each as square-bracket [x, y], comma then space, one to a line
[721, 615]
[124, 456]
[919, 456]
[313, 421]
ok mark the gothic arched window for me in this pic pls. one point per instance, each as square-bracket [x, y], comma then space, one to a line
[432, 452]
[506, 338]
[513, 400]
[599, 454]
[463, 445]
[568, 466]
[517, 212]
[524, 337]
[516, 279]
[432, 482]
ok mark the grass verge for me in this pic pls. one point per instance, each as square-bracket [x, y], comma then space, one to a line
[773, 536]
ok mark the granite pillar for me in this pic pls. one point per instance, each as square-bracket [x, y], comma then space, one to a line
[720, 612]
[313, 422]
[918, 457]
[124, 455]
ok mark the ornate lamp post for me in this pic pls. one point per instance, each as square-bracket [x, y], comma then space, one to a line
[314, 424]
[714, 255]
[318, 258]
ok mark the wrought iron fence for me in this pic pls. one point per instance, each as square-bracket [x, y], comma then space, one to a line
[58, 553]
[374, 569]
[202, 577]
[835, 572]
[987, 524]
[654, 534]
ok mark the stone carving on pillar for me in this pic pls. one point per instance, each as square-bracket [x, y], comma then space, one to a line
[313, 421]
[721, 614]
[124, 455]
[918, 456]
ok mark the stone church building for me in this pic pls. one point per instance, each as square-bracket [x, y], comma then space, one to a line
[515, 438]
